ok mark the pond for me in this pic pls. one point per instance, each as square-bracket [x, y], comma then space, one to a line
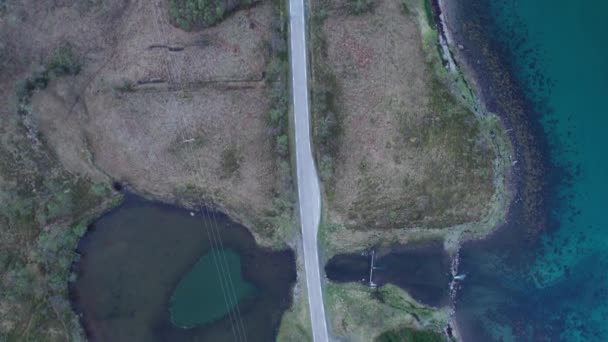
[154, 272]
[423, 270]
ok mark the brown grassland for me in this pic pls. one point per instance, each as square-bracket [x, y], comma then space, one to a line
[408, 153]
[99, 91]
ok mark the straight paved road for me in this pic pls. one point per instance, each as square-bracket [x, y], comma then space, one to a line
[309, 197]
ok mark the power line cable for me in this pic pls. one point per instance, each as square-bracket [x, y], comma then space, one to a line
[224, 276]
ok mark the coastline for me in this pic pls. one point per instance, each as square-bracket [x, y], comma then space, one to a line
[485, 66]
[485, 69]
[458, 63]
[462, 82]
[453, 67]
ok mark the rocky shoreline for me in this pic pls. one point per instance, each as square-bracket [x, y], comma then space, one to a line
[456, 61]
[466, 81]
[484, 70]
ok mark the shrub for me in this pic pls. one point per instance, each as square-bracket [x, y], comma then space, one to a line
[24, 90]
[276, 78]
[231, 161]
[360, 6]
[326, 167]
[406, 10]
[283, 145]
[195, 14]
[276, 118]
[410, 335]
[430, 15]
[328, 127]
[62, 62]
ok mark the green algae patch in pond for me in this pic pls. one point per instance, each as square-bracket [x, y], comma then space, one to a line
[144, 262]
[200, 297]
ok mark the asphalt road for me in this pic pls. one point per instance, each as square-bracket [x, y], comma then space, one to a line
[309, 197]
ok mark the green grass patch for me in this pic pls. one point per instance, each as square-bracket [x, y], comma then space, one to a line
[360, 313]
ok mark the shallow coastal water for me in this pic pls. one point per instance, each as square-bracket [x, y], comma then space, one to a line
[149, 272]
[543, 276]
[422, 270]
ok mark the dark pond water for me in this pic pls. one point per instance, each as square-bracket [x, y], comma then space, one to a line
[422, 270]
[148, 270]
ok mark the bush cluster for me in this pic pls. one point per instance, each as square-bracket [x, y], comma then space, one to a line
[35, 261]
[276, 77]
[326, 128]
[231, 161]
[279, 221]
[410, 335]
[358, 7]
[62, 62]
[195, 14]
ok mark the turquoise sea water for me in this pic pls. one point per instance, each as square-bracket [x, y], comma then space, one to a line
[570, 38]
[553, 286]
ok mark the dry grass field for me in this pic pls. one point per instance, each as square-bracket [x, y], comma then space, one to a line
[407, 153]
[96, 91]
